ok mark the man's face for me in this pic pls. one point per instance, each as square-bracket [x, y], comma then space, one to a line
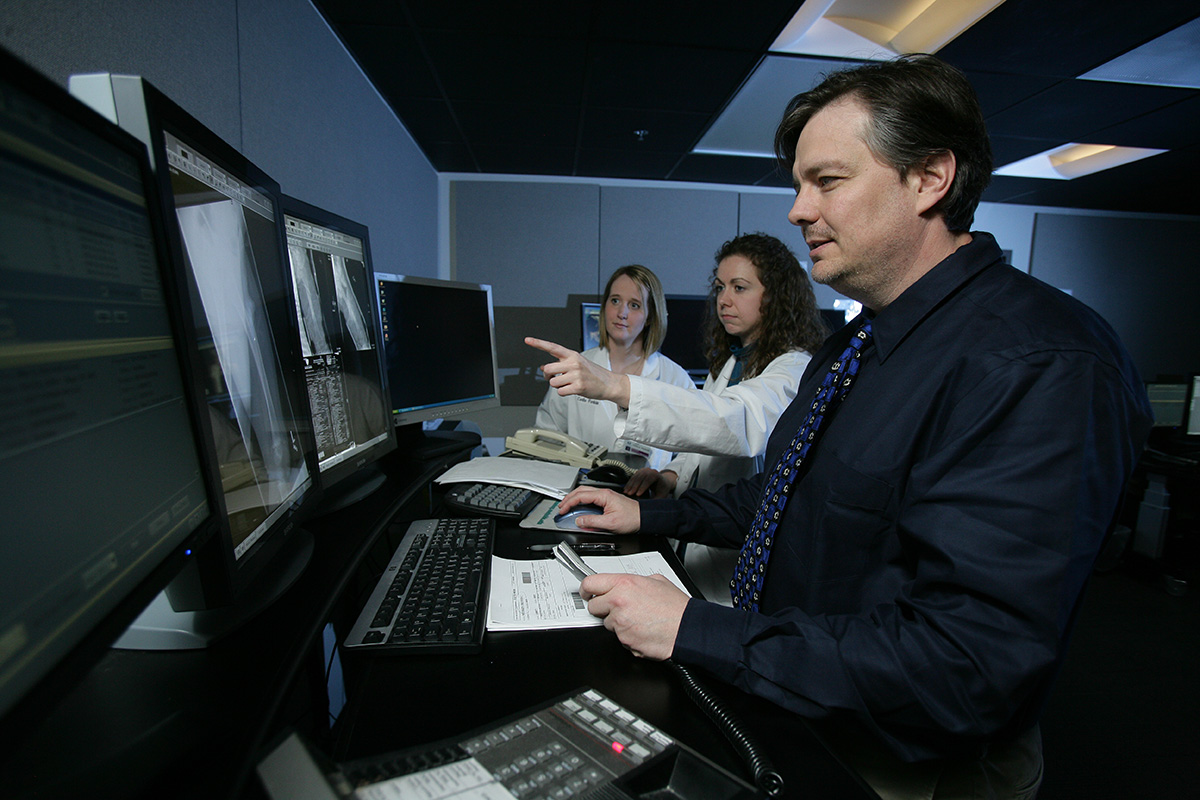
[858, 214]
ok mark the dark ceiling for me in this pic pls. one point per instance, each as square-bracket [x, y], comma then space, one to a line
[560, 88]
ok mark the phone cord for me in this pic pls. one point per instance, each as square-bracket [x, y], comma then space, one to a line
[766, 778]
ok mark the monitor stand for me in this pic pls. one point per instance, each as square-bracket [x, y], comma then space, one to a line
[161, 627]
[423, 445]
[351, 490]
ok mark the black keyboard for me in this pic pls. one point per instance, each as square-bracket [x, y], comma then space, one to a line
[491, 499]
[432, 598]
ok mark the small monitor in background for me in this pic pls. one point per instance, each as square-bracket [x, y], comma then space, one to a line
[1193, 415]
[341, 348]
[684, 343]
[440, 349]
[104, 491]
[225, 229]
[1168, 400]
[589, 326]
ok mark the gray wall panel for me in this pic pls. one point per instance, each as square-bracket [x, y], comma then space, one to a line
[672, 231]
[190, 52]
[315, 124]
[534, 242]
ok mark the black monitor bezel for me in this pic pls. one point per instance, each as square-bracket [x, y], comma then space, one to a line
[414, 417]
[337, 473]
[57, 682]
[216, 577]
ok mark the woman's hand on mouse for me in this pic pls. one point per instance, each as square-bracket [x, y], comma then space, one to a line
[573, 374]
[621, 513]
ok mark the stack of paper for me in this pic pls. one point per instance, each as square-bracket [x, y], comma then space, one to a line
[541, 594]
[544, 477]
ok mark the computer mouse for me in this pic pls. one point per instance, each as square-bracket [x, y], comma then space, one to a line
[567, 520]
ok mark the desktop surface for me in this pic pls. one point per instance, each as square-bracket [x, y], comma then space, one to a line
[396, 703]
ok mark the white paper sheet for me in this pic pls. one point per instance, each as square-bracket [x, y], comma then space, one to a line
[542, 594]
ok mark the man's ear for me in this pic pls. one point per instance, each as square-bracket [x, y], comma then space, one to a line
[932, 179]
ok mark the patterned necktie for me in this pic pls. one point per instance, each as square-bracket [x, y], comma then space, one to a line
[750, 572]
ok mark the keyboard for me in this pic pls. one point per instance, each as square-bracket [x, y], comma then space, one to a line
[432, 597]
[491, 499]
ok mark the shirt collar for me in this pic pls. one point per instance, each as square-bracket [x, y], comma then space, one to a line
[891, 325]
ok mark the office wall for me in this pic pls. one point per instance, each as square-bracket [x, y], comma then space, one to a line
[269, 77]
[1136, 270]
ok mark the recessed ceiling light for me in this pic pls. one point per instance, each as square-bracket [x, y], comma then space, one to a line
[878, 29]
[1075, 160]
[1169, 60]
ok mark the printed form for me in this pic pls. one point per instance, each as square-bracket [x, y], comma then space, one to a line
[543, 594]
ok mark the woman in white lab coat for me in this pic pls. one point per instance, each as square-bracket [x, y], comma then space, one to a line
[763, 326]
[633, 326]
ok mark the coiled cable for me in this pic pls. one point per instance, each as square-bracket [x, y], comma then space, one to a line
[768, 781]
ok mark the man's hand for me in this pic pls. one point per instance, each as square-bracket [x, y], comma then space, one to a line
[647, 482]
[644, 612]
[574, 374]
[621, 514]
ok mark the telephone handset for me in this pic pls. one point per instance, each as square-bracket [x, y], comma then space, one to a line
[555, 446]
[550, 445]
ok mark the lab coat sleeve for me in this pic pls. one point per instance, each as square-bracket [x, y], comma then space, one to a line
[734, 421]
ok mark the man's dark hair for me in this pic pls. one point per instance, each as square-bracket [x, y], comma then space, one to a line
[790, 317]
[918, 106]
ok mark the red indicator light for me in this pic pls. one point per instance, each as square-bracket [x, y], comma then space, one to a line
[618, 746]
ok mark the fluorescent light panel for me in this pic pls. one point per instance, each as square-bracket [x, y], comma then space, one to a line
[1169, 60]
[878, 29]
[1075, 160]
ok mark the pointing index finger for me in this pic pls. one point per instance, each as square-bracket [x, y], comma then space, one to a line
[556, 350]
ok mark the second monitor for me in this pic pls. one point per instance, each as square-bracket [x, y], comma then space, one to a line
[440, 347]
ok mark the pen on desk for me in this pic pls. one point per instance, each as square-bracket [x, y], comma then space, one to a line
[592, 548]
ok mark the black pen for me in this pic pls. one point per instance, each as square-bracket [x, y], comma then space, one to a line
[591, 548]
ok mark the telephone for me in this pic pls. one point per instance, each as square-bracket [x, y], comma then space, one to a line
[555, 446]
[550, 445]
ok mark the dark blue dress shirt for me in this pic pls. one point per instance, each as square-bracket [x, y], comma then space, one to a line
[929, 563]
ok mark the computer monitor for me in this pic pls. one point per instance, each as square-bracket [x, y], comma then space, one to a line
[1168, 401]
[684, 343]
[589, 326]
[225, 229]
[1192, 426]
[104, 491]
[341, 347]
[440, 346]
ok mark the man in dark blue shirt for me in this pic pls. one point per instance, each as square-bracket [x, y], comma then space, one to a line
[926, 568]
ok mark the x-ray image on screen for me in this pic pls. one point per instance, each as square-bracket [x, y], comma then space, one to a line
[261, 463]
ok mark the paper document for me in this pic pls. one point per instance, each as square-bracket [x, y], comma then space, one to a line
[543, 477]
[543, 594]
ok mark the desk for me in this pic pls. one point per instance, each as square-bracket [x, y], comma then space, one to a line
[399, 702]
[194, 724]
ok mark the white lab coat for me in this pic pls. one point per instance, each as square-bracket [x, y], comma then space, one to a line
[720, 434]
[592, 420]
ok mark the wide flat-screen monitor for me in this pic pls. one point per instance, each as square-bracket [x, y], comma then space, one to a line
[227, 244]
[103, 487]
[340, 340]
[440, 347]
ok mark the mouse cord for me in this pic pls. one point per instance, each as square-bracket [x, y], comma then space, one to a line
[766, 778]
